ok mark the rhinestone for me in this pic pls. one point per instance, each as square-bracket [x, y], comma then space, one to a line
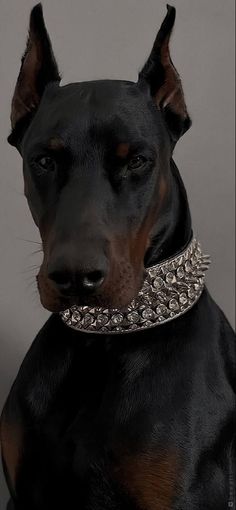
[141, 308]
[184, 284]
[76, 315]
[66, 314]
[191, 293]
[117, 318]
[148, 323]
[170, 278]
[150, 299]
[99, 309]
[148, 314]
[183, 298]
[132, 305]
[104, 328]
[88, 319]
[196, 286]
[173, 304]
[153, 272]
[161, 309]
[161, 296]
[190, 278]
[158, 282]
[180, 272]
[102, 319]
[161, 318]
[133, 326]
[145, 288]
[133, 317]
[163, 268]
[84, 308]
[172, 314]
[188, 267]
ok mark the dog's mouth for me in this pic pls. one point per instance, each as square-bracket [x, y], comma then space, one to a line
[116, 294]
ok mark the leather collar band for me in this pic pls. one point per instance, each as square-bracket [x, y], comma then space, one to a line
[169, 290]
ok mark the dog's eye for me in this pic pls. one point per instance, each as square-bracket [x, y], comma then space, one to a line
[136, 162]
[45, 164]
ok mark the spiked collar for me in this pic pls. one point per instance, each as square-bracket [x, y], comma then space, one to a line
[169, 290]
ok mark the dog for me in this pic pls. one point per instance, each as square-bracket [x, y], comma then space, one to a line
[115, 406]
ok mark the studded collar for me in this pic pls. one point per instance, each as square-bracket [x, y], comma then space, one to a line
[169, 290]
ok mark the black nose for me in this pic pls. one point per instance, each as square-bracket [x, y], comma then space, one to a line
[71, 283]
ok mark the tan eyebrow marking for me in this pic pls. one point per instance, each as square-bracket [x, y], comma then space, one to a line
[122, 150]
[55, 143]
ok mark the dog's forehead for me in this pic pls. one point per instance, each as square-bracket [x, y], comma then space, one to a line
[112, 106]
[98, 96]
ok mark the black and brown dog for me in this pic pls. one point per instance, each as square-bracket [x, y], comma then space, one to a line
[106, 422]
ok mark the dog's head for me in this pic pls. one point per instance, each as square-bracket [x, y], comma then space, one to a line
[96, 160]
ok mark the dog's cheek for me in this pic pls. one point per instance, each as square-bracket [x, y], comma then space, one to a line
[123, 282]
[48, 296]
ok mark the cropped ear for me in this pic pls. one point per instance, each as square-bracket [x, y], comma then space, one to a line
[38, 68]
[164, 82]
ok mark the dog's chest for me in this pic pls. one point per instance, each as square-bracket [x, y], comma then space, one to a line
[80, 466]
[86, 441]
[101, 432]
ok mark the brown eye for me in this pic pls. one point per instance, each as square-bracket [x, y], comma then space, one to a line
[45, 164]
[136, 162]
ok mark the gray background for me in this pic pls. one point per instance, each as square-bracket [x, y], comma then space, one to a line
[111, 39]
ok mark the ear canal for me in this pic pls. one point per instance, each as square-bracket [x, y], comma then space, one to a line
[38, 68]
[164, 82]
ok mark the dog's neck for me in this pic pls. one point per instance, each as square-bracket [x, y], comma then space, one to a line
[173, 231]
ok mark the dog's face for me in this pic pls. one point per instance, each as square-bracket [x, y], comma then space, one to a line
[96, 160]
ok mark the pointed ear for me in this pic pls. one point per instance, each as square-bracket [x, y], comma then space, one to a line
[164, 82]
[38, 68]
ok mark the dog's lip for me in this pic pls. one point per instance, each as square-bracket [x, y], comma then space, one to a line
[64, 304]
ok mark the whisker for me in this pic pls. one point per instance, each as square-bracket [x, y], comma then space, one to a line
[31, 268]
[30, 278]
[28, 241]
[36, 251]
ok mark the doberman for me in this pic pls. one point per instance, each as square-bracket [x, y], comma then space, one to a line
[143, 420]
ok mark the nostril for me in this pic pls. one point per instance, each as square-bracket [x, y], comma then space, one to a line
[93, 280]
[61, 278]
